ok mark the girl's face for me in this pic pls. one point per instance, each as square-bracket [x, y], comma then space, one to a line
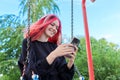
[52, 29]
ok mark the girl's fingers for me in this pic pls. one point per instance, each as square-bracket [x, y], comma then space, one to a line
[67, 45]
[74, 53]
[71, 56]
[76, 48]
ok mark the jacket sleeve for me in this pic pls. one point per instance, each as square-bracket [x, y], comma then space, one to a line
[39, 67]
[42, 67]
[64, 72]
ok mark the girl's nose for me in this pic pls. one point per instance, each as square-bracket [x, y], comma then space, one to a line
[54, 29]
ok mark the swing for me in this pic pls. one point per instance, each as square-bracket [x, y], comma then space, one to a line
[72, 16]
[35, 76]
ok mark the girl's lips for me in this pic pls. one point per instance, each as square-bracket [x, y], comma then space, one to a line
[52, 31]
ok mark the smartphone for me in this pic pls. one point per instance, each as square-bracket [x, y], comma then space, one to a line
[75, 41]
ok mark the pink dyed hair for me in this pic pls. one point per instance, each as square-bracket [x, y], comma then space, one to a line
[39, 27]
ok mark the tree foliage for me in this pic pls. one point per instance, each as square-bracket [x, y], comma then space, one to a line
[9, 20]
[10, 48]
[38, 8]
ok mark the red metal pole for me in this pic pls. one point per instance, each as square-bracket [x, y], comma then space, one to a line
[88, 47]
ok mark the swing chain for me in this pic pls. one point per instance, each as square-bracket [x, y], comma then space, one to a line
[79, 75]
[71, 19]
[34, 76]
[28, 44]
[28, 28]
[76, 69]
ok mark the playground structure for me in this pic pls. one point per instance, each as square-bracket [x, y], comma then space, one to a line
[88, 47]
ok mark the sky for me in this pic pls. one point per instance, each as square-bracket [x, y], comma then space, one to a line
[103, 17]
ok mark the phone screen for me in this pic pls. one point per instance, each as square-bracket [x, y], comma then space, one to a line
[75, 41]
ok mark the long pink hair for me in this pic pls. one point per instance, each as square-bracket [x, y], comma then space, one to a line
[37, 28]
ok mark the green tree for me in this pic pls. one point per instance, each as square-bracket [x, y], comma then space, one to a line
[10, 42]
[38, 8]
[10, 48]
[9, 20]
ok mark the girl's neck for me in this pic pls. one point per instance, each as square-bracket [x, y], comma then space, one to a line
[43, 38]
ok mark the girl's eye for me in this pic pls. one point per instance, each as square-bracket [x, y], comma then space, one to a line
[52, 24]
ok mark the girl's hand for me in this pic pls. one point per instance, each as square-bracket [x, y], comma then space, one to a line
[72, 58]
[63, 49]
